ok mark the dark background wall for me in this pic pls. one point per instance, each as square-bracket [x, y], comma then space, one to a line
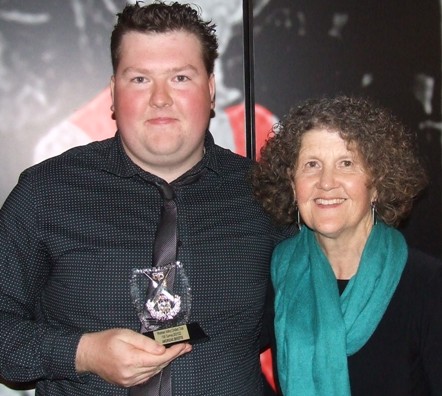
[54, 61]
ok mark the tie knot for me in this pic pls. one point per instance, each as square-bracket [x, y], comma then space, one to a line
[166, 190]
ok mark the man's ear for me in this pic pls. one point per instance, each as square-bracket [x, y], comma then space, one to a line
[212, 90]
[112, 87]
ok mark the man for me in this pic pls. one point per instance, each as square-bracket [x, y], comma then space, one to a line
[76, 225]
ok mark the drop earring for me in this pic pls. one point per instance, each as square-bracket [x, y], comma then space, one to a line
[298, 217]
[373, 213]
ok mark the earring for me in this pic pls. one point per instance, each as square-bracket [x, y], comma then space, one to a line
[373, 212]
[298, 217]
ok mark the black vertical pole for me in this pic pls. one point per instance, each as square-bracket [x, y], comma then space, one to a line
[249, 93]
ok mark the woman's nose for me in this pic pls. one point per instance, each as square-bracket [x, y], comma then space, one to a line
[327, 179]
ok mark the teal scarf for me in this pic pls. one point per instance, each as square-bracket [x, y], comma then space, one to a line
[316, 329]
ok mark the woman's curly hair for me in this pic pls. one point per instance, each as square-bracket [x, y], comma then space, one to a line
[387, 148]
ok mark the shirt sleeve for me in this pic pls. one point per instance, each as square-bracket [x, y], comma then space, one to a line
[30, 348]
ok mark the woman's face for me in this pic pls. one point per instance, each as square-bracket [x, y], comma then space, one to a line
[331, 187]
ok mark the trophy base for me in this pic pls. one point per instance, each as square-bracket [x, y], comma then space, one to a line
[190, 332]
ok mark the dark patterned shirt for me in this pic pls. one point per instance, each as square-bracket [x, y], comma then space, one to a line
[74, 228]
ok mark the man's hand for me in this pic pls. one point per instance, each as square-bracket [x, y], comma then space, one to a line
[124, 357]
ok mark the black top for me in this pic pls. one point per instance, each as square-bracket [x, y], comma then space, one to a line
[404, 354]
[73, 229]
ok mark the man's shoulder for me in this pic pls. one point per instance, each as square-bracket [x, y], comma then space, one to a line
[92, 154]
[228, 160]
[222, 151]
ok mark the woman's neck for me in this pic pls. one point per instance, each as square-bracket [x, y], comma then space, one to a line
[344, 255]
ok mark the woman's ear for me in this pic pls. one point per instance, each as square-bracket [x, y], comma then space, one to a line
[290, 174]
[374, 195]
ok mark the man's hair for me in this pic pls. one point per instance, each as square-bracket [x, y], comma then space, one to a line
[160, 17]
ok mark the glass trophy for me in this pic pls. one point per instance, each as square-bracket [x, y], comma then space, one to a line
[162, 300]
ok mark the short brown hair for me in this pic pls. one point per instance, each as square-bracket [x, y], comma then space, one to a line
[161, 18]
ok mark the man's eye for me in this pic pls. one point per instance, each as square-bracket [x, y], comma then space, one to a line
[139, 80]
[182, 78]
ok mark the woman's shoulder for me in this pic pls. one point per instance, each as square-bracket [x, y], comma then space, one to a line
[286, 246]
[423, 264]
[423, 272]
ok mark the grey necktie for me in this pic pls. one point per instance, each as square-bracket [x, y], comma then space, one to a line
[164, 252]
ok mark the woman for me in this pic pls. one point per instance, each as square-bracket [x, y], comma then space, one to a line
[356, 311]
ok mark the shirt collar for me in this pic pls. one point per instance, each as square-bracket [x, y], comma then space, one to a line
[119, 163]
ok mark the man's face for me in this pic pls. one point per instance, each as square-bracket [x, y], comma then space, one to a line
[162, 96]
